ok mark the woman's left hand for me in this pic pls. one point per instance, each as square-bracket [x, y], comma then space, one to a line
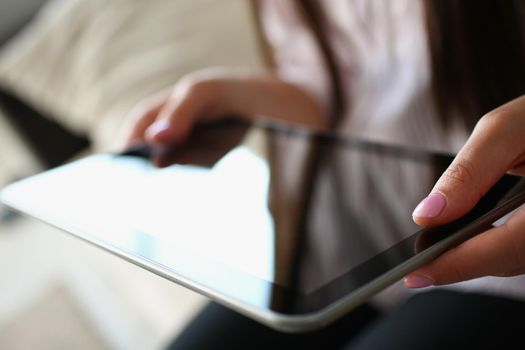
[496, 146]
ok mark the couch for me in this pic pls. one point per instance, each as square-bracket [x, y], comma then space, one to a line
[70, 70]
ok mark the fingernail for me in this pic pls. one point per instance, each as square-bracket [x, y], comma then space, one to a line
[431, 206]
[159, 129]
[418, 281]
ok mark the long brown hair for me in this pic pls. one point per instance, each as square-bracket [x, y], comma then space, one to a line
[477, 51]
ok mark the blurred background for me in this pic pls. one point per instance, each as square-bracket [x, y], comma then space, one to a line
[70, 70]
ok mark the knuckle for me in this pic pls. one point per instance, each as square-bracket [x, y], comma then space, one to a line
[458, 274]
[457, 268]
[449, 268]
[192, 90]
[142, 110]
[205, 88]
[460, 172]
[490, 118]
[194, 87]
[199, 95]
[514, 262]
[496, 122]
[495, 117]
[139, 113]
[182, 88]
[196, 82]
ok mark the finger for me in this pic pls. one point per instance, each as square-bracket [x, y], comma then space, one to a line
[178, 116]
[494, 147]
[499, 251]
[173, 123]
[139, 119]
[517, 170]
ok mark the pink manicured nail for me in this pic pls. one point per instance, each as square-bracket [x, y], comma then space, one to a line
[159, 129]
[431, 206]
[418, 281]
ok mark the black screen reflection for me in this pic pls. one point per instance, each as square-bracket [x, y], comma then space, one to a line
[337, 203]
[340, 208]
[354, 219]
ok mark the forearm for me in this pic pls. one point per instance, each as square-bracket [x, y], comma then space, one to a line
[272, 97]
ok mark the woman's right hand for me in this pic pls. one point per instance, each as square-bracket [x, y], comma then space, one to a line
[207, 95]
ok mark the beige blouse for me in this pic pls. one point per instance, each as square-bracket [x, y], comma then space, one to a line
[380, 50]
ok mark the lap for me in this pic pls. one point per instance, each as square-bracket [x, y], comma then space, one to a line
[444, 319]
[438, 319]
[217, 327]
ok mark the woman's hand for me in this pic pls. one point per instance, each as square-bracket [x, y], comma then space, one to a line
[169, 118]
[496, 146]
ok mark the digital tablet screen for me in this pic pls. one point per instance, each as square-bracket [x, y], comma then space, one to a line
[275, 217]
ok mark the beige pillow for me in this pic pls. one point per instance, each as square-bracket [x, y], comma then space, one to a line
[87, 62]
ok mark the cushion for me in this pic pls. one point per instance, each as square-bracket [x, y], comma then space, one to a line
[14, 15]
[88, 62]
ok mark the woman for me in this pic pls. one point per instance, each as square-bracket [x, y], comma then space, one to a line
[424, 73]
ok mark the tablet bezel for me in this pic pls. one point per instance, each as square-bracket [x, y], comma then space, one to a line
[327, 305]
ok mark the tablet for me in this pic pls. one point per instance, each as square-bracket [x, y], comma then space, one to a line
[290, 227]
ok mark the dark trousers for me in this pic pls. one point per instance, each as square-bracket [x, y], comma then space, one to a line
[432, 320]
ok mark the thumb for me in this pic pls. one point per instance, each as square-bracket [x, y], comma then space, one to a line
[492, 149]
[496, 252]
